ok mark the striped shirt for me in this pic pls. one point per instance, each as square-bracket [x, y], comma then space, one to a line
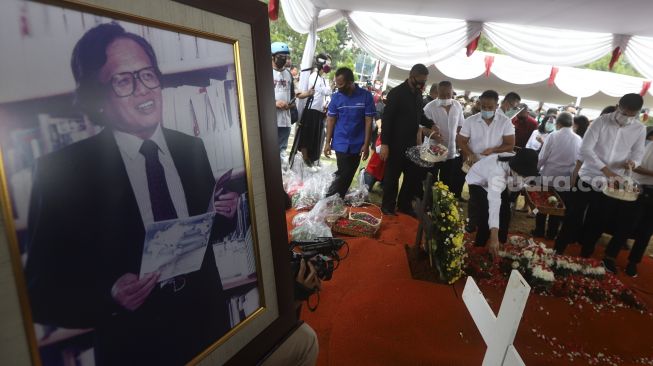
[350, 112]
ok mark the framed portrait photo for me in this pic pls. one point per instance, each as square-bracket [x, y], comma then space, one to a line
[140, 184]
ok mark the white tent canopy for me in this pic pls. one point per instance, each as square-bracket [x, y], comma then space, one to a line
[553, 33]
[596, 88]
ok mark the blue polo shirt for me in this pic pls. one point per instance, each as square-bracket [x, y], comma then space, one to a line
[350, 112]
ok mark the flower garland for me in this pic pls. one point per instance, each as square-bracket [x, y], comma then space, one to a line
[446, 245]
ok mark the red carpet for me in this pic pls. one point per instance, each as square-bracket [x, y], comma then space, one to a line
[373, 313]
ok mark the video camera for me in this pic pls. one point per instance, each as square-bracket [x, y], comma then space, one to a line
[323, 62]
[321, 252]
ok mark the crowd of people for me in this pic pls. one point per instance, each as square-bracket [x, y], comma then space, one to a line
[493, 145]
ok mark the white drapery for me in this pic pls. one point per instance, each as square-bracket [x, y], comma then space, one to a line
[548, 46]
[572, 81]
[404, 40]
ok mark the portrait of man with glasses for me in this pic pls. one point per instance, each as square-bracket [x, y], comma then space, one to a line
[92, 200]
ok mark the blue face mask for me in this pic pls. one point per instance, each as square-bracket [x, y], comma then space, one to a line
[549, 127]
[487, 114]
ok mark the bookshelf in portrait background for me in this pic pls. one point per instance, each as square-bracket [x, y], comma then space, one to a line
[199, 99]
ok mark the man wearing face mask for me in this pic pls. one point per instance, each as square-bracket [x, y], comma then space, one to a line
[510, 105]
[487, 132]
[447, 115]
[349, 126]
[524, 126]
[613, 143]
[547, 125]
[490, 181]
[282, 90]
[484, 134]
[557, 159]
[402, 117]
[310, 138]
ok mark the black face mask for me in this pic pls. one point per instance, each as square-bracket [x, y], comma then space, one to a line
[419, 84]
[279, 62]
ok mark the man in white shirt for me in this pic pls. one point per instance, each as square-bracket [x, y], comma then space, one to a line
[613, 142]
[282, 85]
[484, 134]
[490, 181]
[487, 132]
[556, 163]
[447, 115]
[642, 225]
[509, 105]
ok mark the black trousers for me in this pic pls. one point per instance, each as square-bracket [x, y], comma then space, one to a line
[641, 229]
[572, 224]
[397, 164]
[311, 133]
[601, 213]
[443, 171]
[553, 221]
[479, 203]
[457, 176]
[347, 166]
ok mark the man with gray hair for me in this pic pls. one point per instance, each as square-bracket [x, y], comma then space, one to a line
[556, 163]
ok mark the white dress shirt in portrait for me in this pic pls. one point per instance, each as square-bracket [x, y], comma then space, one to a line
[129, 146]
[559, 153]
[482, 136]
[447, 122]
[607, 144]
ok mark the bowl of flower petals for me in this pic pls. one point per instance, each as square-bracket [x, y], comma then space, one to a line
[434, 153]
[627, 190]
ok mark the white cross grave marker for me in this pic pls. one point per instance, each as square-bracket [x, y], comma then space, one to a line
[499, 332]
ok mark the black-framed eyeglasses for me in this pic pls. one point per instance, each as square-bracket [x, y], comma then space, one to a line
[124, 83]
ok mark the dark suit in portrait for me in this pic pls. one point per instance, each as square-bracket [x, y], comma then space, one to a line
[85, 231]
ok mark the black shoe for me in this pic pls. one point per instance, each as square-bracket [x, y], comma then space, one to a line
[609, 265]
[550, 236]
[386, 212]
[537, 234]
[631, 269]
[408, 211]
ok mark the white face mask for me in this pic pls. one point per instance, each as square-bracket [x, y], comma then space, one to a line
[622, 119]
[445, 102]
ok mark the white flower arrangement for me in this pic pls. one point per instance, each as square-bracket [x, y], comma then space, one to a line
[594, 271]
[543, 274]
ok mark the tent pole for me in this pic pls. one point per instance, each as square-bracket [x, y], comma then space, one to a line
[307, 60]
[578, 99]
[376, 66]
[385, 76]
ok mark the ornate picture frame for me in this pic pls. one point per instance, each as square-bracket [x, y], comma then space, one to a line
[204, 48]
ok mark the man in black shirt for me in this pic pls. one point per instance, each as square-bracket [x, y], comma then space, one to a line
[402, 117]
